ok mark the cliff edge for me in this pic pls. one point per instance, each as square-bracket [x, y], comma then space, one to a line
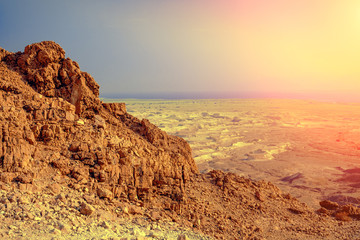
[51, 116]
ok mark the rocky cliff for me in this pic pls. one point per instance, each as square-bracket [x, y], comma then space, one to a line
[51, 116]
[68, 161]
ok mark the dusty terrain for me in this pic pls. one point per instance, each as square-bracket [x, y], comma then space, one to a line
[308, 148]
[75, 167]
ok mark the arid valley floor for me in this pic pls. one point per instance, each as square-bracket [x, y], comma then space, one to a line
[308, 148]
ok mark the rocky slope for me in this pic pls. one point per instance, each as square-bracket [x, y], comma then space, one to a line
[73, 167]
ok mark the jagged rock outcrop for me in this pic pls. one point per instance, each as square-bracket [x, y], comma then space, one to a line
[44, 66]
[346, 212]
[51, 116]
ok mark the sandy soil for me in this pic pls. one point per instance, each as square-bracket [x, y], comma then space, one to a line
[307, 148]
[51, 214]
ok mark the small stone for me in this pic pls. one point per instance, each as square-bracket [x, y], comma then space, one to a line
[138, 233]
[61, 197]
[125, 210]
[12, 227]
[80, 122]
[37, 97]
[99, 122]
[56, 231]
[63, 227]
[259, 196]
[296, 211]
[23, 178]
[155, 215]
[86, 209]
[30, 215]
[23, 200]
[55, 188]
[105, 225]
[182, 237]
[104, 193]
[29, 136]
[70, 116]
[74, 147]
[135, 210]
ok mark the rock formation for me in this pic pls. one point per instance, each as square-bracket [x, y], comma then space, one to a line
[51, 116]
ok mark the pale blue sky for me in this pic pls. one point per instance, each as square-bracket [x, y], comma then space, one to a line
[127, 46]
[198, 48]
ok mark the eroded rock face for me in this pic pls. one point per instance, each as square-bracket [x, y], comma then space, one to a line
[44, 66]
[51, 118]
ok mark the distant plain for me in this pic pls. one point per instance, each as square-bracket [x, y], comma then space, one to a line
[308, 148]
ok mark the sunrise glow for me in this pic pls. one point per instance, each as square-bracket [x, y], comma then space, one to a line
[275, 48]
[303, 47]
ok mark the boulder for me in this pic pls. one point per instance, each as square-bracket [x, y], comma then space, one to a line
[329, 205]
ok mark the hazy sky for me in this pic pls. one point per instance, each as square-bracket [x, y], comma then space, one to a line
[277, 48]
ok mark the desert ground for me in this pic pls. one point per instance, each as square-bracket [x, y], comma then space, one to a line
[308, 148]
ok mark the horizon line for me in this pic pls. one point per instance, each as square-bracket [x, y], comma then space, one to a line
[324, 97]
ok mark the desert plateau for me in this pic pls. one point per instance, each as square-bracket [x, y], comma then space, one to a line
[74, 166]
[307, 148]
